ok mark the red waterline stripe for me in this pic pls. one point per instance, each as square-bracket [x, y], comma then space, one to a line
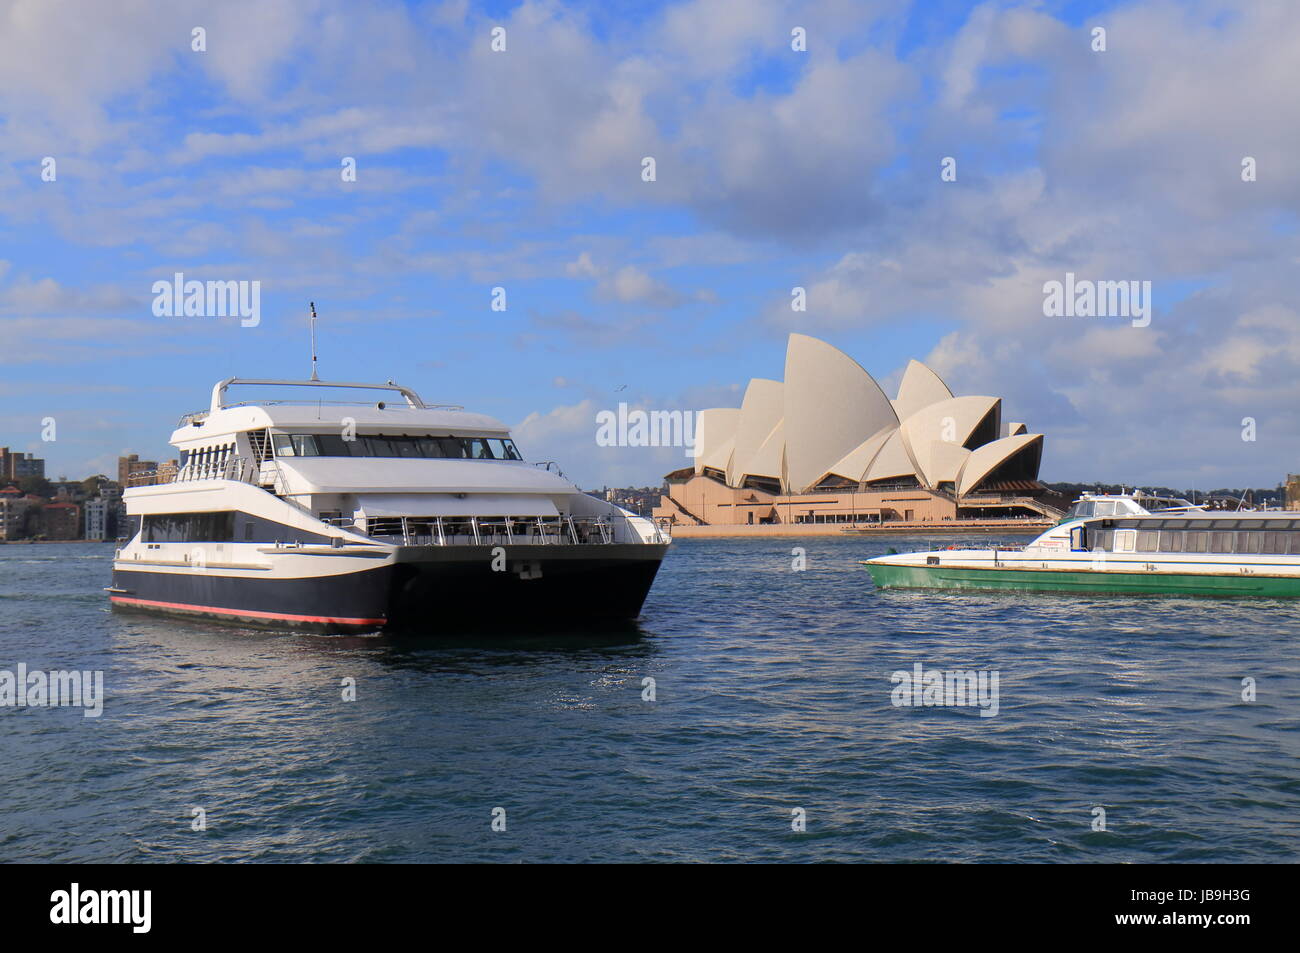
[247, 613]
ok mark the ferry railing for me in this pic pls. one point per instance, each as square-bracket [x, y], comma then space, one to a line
[238, 469]
[500, 531]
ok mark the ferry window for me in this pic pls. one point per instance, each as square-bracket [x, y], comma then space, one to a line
[1146, 542]
[1103, 539]
[1124, 540]
[1196, 542]
[189, 527]
[1221, 542]
[1171, 541]
[1274, 543]
[503, 449]
[1248, 542]
[1104, 509]
[1293, 543]
[451, 447]
[332, 445]
[304, 445]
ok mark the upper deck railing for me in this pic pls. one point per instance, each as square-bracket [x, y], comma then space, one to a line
[219, 391]
[239, 469]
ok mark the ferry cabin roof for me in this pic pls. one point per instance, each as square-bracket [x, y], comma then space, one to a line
[199, 429]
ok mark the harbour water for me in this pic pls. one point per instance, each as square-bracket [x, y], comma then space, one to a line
[772, 693]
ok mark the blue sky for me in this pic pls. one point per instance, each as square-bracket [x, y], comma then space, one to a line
[775, 169]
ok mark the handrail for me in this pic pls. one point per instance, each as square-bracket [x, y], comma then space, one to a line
[219, 390]
[512, 530]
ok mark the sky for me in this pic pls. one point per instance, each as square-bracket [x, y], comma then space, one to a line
[522, 169]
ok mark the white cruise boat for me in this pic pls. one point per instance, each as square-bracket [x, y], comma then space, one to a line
[1123, 543]
[350, 517]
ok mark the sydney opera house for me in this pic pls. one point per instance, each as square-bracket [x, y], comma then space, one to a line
[827, 446]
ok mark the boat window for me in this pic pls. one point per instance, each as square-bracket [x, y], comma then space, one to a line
[1102, 539]
[1147, 542]
[1106, 508]
[503, 449]
[429, 447]
[1220, 542]
[1274, 543]
[1251, 524]
[189, 527]
[1124, 540]
[1196, 542]
[1293, 544]
[1171, 541]
[304, 445]
[1082, 510]
[1248, 542]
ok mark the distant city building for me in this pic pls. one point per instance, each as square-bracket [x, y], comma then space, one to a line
[640, 500]
[15, 465]
[13, 513]
[69, 491]
[128, 465]
[59, 521]
[28, 466]
[99, 515]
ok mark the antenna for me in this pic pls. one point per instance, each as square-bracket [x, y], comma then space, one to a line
[313, 342]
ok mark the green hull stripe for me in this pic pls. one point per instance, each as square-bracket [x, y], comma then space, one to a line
[1134, 583]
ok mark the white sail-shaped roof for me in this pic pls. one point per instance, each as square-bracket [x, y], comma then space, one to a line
[769, 460]
[920, 388]
[939, 462]
[760, 414]
[953, 420]
[831, 406]
[989, 457]
[715, 436]
[855, 463]
[892, 460]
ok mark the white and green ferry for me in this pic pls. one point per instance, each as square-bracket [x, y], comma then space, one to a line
[1123, 543]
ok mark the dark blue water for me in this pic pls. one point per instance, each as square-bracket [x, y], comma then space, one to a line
[773, 693]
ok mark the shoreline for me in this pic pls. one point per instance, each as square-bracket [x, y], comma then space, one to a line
[763, 531]
[41, 542]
